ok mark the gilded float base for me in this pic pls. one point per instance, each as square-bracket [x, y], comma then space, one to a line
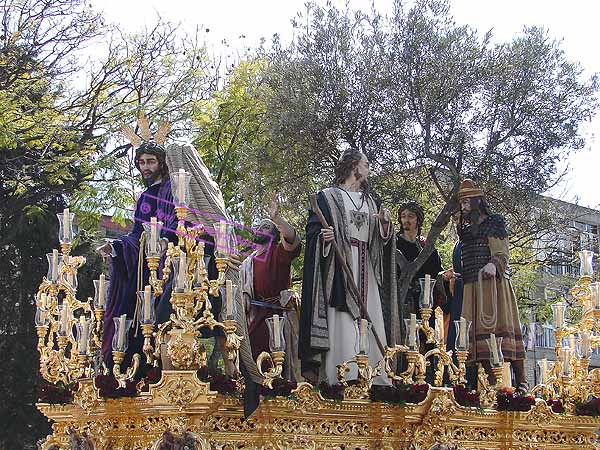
[180, 403]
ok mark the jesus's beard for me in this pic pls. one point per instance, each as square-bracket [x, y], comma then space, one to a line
[152, 178]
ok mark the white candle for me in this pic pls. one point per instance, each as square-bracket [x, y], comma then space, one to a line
[362, 343]
[83, 339]
[66, 224]
[412, 331]
[182, 275]
[439, 323]
[181, 186]
[229, 298]
[427, 291]
[462, 337]
[42, 301]
[494, 348]
[122, 328]
[153, 235]
[586, 344]
[276, 337]
[566, 353]
[43, 315]
[586, 267]
[54, 265]
[572, 344]
[595, 287]
[559, 314]
[64, 319]
[544, 370]
[221, 237]
[101, 291]
[147, 303]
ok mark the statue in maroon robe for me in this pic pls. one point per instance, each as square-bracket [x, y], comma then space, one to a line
[265, 277]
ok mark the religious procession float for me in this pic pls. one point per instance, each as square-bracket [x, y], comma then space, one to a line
[165, 397]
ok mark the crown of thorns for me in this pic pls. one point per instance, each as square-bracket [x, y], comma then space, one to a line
[146, 135]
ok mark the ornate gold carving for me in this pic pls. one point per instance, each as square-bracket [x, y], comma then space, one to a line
[180, 392]
[86, 396]
[306, 398]
[183, 350]
[540, 414]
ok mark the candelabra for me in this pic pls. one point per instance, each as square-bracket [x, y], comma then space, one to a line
[365, 373]
[487, 394]
[276, 358]
[192, 309]
[568, 378]
[64, 355]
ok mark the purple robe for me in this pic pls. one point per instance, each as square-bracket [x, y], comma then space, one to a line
[156, 201]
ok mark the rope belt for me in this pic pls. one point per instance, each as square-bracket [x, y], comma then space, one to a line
[487, 320]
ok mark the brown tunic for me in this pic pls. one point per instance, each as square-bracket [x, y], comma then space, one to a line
[507, 323]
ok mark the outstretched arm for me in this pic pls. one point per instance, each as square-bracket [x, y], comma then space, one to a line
[290, 238]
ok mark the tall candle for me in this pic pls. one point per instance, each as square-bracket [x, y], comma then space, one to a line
[122, 328]
[462, 337]
[54, 265]
[153, 235]
[566, 354]
[64, 318]
[439, 323]
[544, 370]
[42, 316]
[427, 291]
[595, 287]
[66, 224]
[229, 298]
[558, 310]
[181, 186]
[101, 290]
[494, 348]
[585, 344]
[586, 267]
[362, 342]
[221, 242]
[147, 303]
[42, 301]
[83, 339]
[572, 344]
[182, 275]
[276, 337]
[412, 339]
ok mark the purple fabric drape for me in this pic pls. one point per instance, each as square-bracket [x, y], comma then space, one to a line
[156, 201]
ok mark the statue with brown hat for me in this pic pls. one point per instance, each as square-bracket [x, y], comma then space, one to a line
[488, 298]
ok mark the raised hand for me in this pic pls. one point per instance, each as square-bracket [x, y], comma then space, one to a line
[274, 208]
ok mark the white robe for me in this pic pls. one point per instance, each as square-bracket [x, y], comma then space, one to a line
[341, 326]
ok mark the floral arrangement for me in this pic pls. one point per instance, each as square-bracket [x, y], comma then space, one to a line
[466, 397]
[556, 405]
[509, 400]
[152, 377]
[399, 393]
[109, 387]
[219, 382]
[281, 388]
[331, 391]
[56, 393]
[589, 408]
[171, 442]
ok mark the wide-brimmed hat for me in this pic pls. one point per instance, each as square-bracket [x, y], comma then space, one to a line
[468, 189]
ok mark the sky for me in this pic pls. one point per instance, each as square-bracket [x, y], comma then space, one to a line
[575, 22]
